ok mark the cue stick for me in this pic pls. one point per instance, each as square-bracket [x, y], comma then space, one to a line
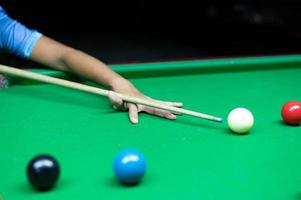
[78, 86]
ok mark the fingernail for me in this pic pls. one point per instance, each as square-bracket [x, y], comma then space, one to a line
[171, 116]
[135, 120]
[110, 95]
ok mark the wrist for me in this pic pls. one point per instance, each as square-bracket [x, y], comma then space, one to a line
[118, 82]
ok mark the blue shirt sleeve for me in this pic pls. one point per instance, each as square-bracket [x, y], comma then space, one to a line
[15, 37]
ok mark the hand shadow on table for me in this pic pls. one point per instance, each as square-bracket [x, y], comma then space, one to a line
[101, 104]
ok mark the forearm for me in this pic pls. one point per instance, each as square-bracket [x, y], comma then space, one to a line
[89, 67]
[56, 55]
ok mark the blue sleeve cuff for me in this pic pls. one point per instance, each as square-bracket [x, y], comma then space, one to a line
[29, 45]
[15, 37]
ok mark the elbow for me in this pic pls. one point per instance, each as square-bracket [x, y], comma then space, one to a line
[67, 59]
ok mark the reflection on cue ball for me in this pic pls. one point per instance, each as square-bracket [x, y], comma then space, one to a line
[240, 120]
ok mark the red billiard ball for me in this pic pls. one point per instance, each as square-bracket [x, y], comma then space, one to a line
[291, 113]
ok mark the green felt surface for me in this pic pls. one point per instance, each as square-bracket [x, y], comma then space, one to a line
[187, 158]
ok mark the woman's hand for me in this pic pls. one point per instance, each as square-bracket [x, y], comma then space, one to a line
[123, 86]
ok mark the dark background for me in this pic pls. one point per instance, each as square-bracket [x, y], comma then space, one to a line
[151, 30]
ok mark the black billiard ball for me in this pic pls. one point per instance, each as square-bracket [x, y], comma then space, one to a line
[43, 172]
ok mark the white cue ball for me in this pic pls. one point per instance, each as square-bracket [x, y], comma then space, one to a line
[240, 120]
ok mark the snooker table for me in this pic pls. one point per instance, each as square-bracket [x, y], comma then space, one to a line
[187, 158]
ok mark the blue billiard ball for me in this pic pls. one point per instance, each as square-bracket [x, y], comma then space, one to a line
[129, 166]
